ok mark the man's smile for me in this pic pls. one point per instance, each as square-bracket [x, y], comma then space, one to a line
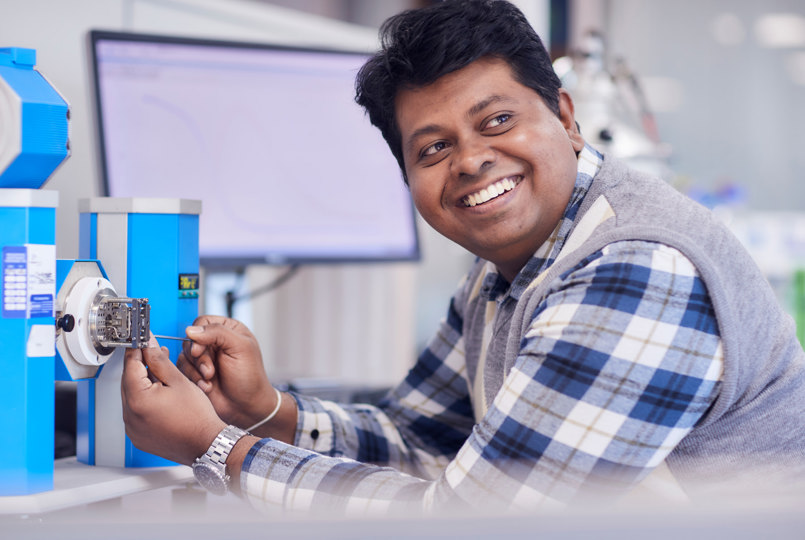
[491, 192]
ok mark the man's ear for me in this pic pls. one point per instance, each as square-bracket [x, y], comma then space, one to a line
[568, 119]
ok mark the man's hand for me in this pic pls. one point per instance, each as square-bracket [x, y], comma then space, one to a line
[224, 360]
[165, 414]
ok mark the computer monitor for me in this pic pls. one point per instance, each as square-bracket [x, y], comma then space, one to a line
[269, 138]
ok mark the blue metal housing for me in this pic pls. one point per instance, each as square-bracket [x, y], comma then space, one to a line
[35, 129]
[27, 331]
[153, 254]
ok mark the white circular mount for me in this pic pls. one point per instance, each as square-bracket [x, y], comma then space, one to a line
[79, 342]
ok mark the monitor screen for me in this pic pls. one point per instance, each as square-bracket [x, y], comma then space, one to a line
[286, 164]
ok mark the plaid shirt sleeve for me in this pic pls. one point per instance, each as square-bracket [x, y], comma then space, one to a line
[620, 361]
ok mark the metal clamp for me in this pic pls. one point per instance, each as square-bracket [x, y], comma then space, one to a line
[119, 322]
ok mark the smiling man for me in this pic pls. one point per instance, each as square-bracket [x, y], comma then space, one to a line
[489, 165]
[611, 336]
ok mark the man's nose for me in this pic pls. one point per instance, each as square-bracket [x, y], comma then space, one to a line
[472, 156]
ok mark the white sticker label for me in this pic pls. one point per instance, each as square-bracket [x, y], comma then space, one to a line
[15, 282]
[41, 279]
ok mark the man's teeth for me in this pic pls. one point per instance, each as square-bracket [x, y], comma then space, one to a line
[487, 194]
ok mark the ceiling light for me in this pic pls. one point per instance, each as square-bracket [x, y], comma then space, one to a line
[780, 30]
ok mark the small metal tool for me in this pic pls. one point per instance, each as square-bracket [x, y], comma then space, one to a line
[171, 337]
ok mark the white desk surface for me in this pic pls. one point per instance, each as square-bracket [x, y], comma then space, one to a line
[99, 503]
[76, 484]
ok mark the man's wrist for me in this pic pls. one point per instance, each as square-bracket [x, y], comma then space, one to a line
[237, 456]
[282, 426]
[210, 469]
[271, 415]
[201, 446]
[256, 409]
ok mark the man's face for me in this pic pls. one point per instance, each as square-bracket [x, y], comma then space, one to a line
[489, 165]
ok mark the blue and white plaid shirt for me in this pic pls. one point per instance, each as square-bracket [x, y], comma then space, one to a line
[617, 366]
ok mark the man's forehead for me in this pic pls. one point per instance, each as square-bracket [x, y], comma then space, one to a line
[479, 83]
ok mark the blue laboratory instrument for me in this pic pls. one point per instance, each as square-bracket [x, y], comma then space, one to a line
[33, 143]
[71, 320]
[149, 250]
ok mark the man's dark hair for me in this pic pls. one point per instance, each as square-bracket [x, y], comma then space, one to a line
[420, 45]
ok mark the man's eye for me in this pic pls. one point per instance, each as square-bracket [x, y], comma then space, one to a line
[434, 148]
[498, 120]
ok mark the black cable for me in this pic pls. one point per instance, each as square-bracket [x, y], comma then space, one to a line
[231, 298]
[230, 294]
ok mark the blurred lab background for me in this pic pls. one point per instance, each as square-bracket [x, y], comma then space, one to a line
[708, 95]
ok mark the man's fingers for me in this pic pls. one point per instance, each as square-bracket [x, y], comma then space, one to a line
[160, 366]
[232, 325]
[204, 320]
[209, 342]
[212, 335]
[216, 335]
[195, 349]
[188, 368]
[135, 375]
[199, 357]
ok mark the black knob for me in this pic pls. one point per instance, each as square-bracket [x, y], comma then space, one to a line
[66, 323]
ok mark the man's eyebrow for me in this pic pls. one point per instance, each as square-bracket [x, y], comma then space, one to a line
[486, 102]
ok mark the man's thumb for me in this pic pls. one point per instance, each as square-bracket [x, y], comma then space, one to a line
[216, 335]
[160, 365]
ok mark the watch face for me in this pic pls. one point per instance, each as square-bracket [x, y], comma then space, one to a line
[210, 478]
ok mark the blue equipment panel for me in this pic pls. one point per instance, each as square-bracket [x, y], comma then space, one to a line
[158, 253]
[27, 330]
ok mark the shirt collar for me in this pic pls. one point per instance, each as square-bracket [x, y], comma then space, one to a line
[494, 285]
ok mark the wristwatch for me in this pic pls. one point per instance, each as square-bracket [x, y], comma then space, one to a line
[210, 469]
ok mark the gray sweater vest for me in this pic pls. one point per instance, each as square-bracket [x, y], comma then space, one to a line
[757, 423]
